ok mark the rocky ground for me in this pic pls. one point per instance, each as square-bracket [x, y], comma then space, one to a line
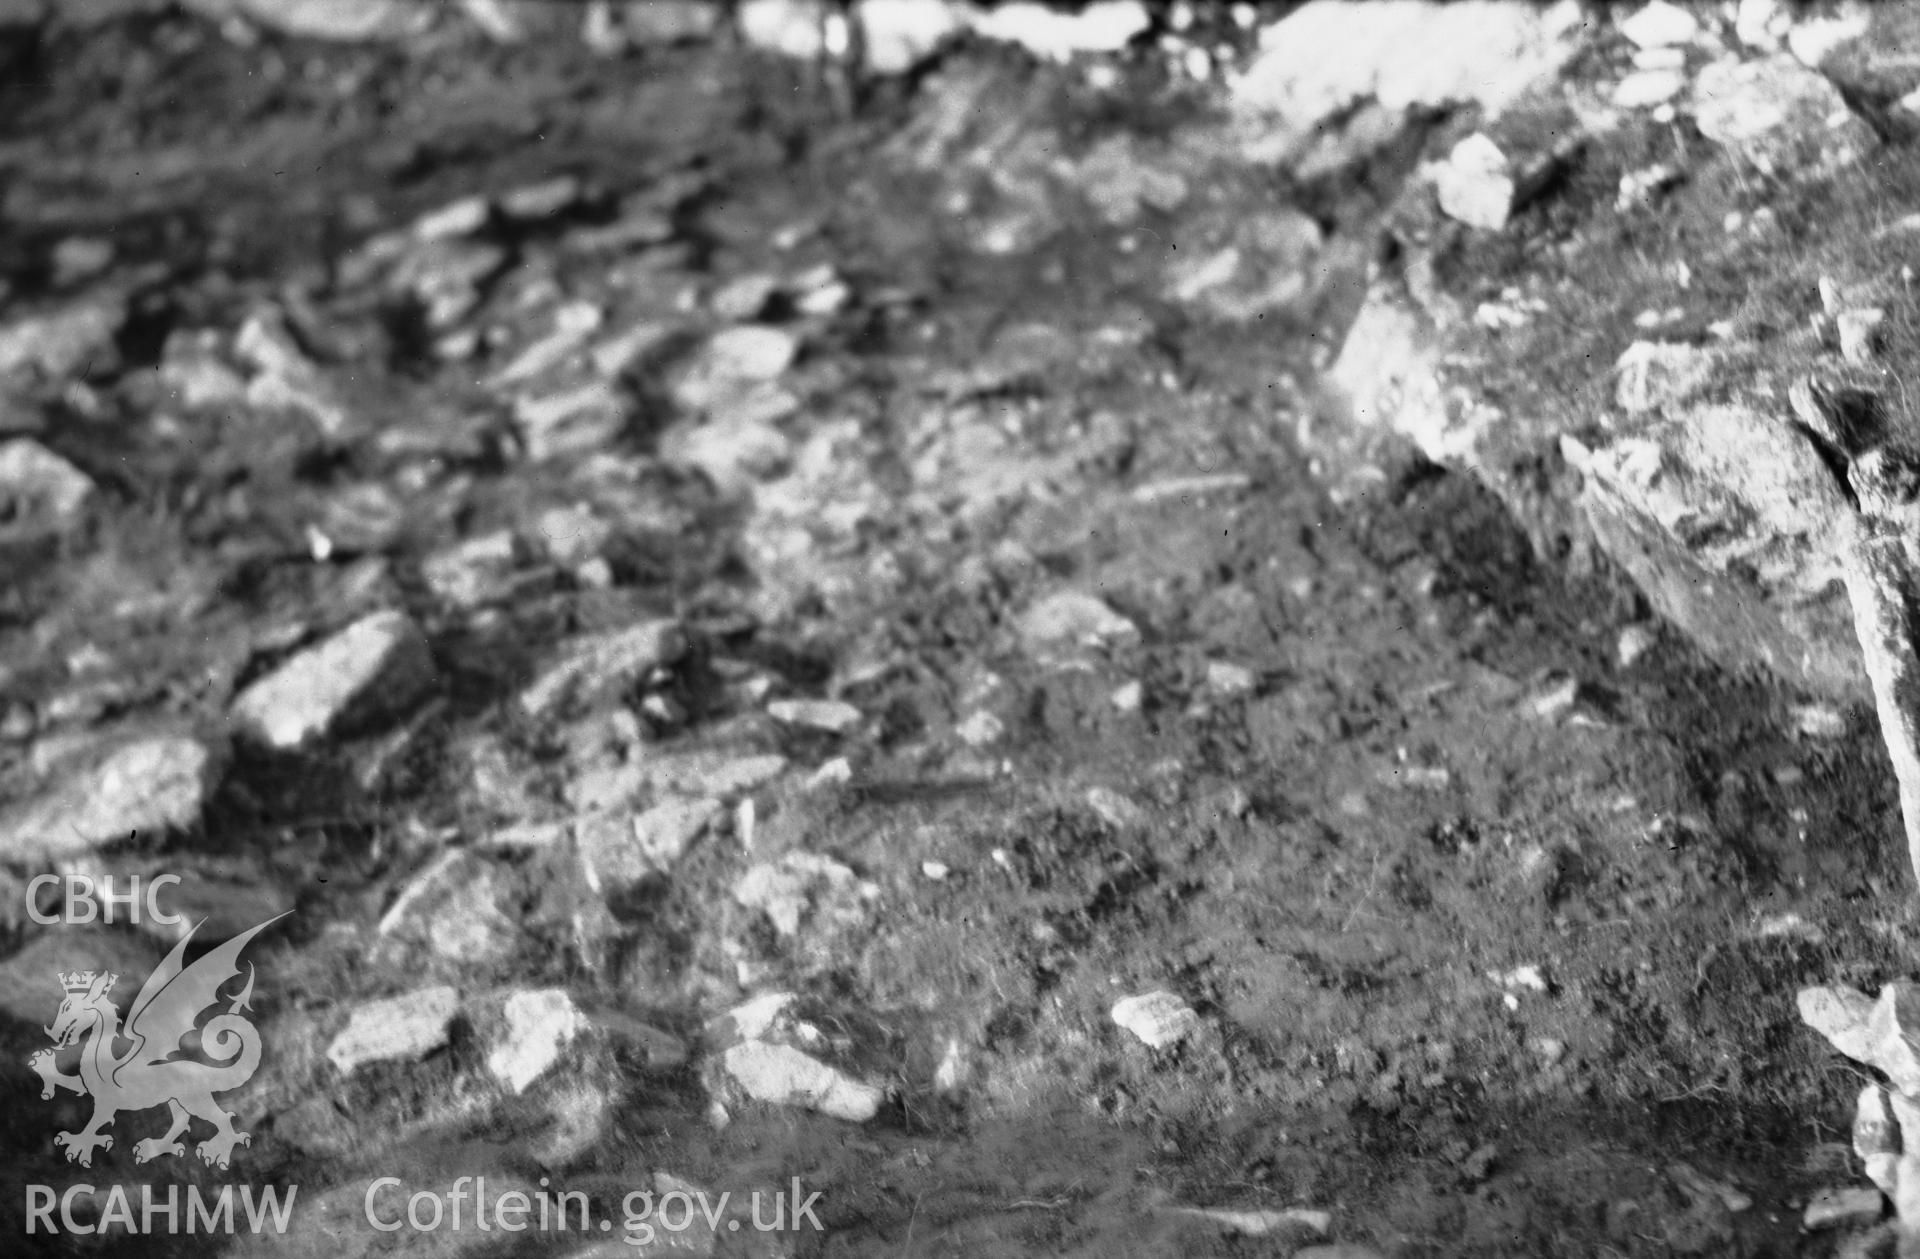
[1099, 633]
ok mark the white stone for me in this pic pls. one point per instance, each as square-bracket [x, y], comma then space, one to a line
[285, 378]
[791, 28]
[457, 218]
[751, 352]
[754, 1019]
[799, 884]
[743, 298]
[1556, 701]
[1843, 1208]
[951, 1071]
[653, 22]
[1329, 55]
[452, 906]
[980, 729]
[575, 419]
[1114, 808]
[1475, 184]
[1882, 1033]
[1182, 489]
[1878, 1137]
[1904, 1174]
[77, 258]
[620, 351]
[1814, 39]
[36, 483]
[403, 1028]
[1644, 89]
[831, 715]
[1265, 1223]
[580, 1113]
[1635, 642]
[572, 535]
[148, 785]
[1230, 681]
[714, 774]
[573, 324]
[595, 667]
[1819, 721]
[62, 341]
[1528, 976]
[664, 832]
[378, 665]
[1859, 332]
[1654, 374]
[1159, 1019]
[1048, 33]
[193, 368]
[733, 455]
[1659, 25]
[899, 34]
[471, 572]
[1766, 108]
[1761, 23]
[345, 21]
[1699, 1186]
[618, 851]
[1893, 1036]
[542, 200]
[785, 1076]
[1071, 616]
[539, 1025]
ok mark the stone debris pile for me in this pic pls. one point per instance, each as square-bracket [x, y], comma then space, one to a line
[734, 600]
[1882, 1033]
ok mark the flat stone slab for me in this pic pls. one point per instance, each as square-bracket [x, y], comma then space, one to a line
[404, 1028]
[151, 784]
[376, 667]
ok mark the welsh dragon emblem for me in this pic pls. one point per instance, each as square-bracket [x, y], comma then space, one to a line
[148, 1071]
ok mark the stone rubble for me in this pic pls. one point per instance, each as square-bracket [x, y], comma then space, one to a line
[1883, 1033]
[537, 1027]
[759, 1056]
[663, 451]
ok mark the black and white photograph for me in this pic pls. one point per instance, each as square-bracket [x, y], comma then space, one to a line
[960, 629]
